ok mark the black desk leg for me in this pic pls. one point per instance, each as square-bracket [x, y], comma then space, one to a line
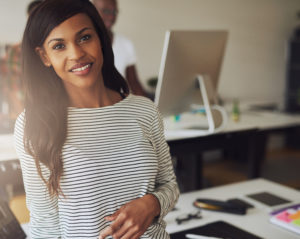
[256, 154]
[189, 172]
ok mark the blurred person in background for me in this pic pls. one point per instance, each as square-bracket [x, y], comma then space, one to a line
[124, 52]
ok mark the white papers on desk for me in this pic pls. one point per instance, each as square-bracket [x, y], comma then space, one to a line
[189, 125]
[194, 121]
[184, 134]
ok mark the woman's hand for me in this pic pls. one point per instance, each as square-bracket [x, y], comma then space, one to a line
[132, 219]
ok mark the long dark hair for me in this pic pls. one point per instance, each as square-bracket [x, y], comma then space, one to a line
[46, 100]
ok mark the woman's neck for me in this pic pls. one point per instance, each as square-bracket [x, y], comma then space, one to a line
[93, 97]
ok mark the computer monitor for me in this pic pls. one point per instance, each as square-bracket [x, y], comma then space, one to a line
[190, 60]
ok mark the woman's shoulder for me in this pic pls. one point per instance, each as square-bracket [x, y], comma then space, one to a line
[141, 101]
[19, 125]
[19, 132]
[141, 105]
[20, 120]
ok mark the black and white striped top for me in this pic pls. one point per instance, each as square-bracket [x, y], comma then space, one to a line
[111, 156]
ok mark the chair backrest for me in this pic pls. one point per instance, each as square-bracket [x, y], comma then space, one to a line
[9, 225]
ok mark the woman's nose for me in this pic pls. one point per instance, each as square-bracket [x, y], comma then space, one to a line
[75, 52]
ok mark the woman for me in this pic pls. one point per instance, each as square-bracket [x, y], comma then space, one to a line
[94, 160]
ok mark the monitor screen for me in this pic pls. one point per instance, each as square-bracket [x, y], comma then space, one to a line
[187, 54]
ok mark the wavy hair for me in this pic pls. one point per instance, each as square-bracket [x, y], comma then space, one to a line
[46, 100]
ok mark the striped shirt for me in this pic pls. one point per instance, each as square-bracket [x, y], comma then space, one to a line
[111, 155]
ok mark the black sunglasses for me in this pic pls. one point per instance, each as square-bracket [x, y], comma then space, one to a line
[189, 216]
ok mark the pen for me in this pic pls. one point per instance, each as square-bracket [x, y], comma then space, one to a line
[194, 236]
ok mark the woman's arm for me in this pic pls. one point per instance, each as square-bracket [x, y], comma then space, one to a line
[133, 219]
[44, 220]
[167, 191]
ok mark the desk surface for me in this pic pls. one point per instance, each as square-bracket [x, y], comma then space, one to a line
[256, 220]
[248, 120]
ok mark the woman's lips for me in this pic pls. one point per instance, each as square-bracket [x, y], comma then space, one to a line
[81, 69]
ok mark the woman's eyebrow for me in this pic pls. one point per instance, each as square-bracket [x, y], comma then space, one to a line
[78, 33]
[83, 29]
[55, 39]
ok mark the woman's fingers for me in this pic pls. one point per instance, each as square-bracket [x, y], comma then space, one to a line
[132, 235]
[123, 230]
[113, 216]
[107, 232]
[132, 219]
[114, 227]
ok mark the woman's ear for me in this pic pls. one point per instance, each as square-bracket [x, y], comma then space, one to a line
[43, 55]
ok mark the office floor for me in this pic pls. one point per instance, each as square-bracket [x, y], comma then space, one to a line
[280, 165]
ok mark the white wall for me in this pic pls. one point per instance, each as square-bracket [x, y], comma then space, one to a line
[254, 66]
[12, 20]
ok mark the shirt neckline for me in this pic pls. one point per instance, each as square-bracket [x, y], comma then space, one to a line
[70, 108]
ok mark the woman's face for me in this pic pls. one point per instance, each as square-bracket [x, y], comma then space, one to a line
[73, 49]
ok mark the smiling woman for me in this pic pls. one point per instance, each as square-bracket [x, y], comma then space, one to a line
[94, 159]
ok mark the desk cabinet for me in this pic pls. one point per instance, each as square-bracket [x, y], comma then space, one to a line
[189, 161]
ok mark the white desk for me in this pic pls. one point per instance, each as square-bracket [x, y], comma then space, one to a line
[246, 138]
[248, 120]
[255, 221]
[250, 133]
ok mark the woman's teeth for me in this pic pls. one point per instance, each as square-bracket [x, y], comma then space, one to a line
[82, 68]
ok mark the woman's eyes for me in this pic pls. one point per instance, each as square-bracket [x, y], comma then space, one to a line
[61, 46]
[85, 38]
[58, 46]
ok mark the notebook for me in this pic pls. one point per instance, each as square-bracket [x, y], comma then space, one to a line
[288, 218]
[269, 199]
[217, 229]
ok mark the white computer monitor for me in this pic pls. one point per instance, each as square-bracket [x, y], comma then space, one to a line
[189, 58]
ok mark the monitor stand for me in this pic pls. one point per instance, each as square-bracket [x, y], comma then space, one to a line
[214, 121]
[207, 92]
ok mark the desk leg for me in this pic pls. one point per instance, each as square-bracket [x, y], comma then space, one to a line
[199, 171]
[256, 153]
[292, 138]
[189, 172]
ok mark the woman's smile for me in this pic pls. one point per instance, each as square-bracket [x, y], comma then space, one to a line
[81, 69]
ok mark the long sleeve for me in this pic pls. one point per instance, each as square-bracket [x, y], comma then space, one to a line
[166, 190]
[44, 218]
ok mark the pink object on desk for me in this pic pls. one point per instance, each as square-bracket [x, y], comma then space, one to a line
[284, 216]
